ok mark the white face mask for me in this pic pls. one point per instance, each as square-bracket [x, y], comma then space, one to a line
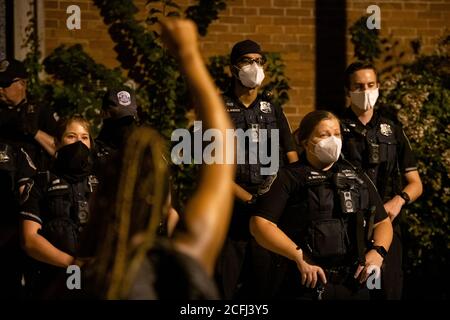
[328, 150]
[364, 100]
[251, 75]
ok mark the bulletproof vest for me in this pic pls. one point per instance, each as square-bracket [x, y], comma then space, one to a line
[67, 211]
[333, 207]
[261, 115]
[374, 150]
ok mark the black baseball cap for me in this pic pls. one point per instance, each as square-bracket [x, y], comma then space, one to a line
[122, 101]
[10, 70]
[244, 47]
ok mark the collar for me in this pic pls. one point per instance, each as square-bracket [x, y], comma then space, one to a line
[373, 122]
[231, 95]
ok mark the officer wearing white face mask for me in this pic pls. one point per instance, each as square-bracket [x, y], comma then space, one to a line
[379, 146]
[249, 111]
[323, 218]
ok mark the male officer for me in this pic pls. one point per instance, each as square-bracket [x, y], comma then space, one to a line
[380, 147]
[249, 111]
[120, 115]
[23, 146]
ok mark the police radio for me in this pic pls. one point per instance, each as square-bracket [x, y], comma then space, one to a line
[344, 184]
[347, 204]
[374, 151]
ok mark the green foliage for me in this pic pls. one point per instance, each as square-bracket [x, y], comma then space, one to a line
[366, 42]
[79, 83]
[418, 95]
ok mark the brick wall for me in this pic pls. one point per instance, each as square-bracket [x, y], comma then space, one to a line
[286, 26]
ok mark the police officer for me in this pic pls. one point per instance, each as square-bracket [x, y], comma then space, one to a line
[250, 112]
[325, 217]
[55, 208]
[21, 121]
[379, 146]
[119, 117]
[23, 146]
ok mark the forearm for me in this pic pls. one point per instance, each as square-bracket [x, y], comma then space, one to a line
[292, 156]
[272, 238]
[413, 189]
[241, 193]
[37, 247]
[382, 234]
[46, 141]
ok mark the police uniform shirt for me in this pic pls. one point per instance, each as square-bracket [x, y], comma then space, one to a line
[281, 204]
[15, 169]
[260, 114]
[10, 119]
[394, 148]
[61, 208]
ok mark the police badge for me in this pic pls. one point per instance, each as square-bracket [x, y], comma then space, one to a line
[385, 129]
[265, 107]
[124, 98]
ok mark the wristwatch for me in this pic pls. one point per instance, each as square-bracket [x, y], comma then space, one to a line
[381, 251]
[405, 197]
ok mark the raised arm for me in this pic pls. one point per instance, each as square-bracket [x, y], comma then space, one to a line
[208, 211]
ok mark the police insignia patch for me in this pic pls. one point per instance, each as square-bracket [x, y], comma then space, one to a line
[385, 129]
[124, 98]
[265, 107]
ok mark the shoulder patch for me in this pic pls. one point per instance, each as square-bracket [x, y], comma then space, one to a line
[30, 162]
[265, 186]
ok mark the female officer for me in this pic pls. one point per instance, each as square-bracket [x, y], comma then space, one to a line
[55, 208]
[323, 216]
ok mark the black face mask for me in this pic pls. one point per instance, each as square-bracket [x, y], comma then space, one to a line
[73, 161]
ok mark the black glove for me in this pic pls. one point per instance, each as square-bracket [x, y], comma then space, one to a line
[29, 120]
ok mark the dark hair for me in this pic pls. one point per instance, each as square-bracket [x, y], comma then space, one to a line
[356, 66]
[309, 122]
[65, 122]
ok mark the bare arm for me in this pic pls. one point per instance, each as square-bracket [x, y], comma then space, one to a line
[241, 193]
[37, 247]
[413, 189]
[208, 211]
[269, 236]
[382, 236]
[292, 156]
[46, 141]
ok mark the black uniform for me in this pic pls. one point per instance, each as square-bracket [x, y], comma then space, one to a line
[15, 169]
[21, 157]
[60, 205]
[261, 114]
[312, 207]
[19, 123]
[382, 150]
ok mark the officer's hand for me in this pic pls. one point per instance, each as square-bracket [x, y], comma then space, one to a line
[180, 36]
[373, 263]
[310, 273]
[29, 120]
[394, 206]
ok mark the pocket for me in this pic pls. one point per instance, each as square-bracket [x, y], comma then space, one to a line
[328, 238]
[269, 120]
[58, 202]
[388, 148]
[62, 233]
